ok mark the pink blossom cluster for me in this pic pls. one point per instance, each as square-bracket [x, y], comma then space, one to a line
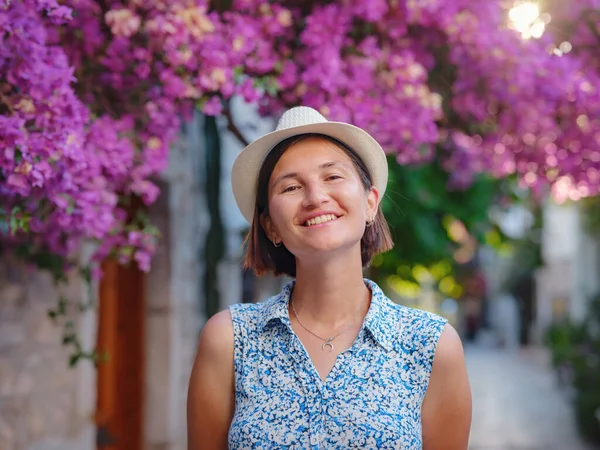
[92, 93]
[528, 107]
[48, 166]
[62, 165]
[576, 29]
[355, 62]
[422, 76]
[92, 97]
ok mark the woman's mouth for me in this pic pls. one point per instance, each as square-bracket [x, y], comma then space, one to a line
[319, 220]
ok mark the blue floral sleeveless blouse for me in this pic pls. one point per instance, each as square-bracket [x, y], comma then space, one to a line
[371, 399]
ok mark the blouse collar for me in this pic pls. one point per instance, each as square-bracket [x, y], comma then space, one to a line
[381, 320]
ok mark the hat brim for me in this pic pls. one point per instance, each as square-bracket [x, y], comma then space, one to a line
[244, 174]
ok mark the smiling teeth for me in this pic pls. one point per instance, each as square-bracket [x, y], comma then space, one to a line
[321, 219]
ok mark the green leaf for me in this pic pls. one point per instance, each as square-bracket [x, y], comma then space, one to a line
[86, 274]
[272, 87]
[14, 225]
[74, 359]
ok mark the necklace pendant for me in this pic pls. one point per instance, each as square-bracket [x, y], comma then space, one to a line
[327, 345]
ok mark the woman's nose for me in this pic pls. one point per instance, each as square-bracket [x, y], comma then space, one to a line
[314, 195]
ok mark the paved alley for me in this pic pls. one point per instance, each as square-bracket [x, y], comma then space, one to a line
[516, 405]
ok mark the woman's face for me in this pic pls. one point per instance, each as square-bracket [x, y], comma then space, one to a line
[317, 202]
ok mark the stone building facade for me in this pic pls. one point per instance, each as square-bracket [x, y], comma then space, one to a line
[570, 275]
[564, 283]
[44, 404]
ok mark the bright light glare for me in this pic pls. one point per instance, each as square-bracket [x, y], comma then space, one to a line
[525, 18]
[523, 15]
[565, 47]
[537, 29]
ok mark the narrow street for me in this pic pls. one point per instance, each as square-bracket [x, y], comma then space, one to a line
[516, 405]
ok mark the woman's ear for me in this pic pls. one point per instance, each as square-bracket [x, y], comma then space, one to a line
[372, 202]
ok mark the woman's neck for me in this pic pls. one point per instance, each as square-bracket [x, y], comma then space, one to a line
[331, 294]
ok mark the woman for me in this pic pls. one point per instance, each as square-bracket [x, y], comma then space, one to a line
[329, 362]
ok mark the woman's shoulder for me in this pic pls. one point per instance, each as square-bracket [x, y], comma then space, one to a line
[256, 313]
[408, 323]
[408, 315]
[420, 317]
[216, 338]
[419, 326]
[259, 307]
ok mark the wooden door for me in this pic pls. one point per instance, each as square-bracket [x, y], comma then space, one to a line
[120, 401]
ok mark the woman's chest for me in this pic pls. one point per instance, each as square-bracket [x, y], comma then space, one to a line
[369, 400]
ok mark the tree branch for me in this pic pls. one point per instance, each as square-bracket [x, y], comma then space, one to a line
[231, 126]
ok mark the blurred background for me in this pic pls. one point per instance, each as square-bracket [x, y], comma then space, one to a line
[120, 237]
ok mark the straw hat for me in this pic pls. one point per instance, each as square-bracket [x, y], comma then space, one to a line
[295, 121]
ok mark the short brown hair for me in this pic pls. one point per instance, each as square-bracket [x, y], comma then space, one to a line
[263, 257]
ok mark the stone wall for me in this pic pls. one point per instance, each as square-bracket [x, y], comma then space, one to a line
[175, 304]
[44, 404]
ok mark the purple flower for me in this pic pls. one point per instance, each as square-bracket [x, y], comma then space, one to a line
[212, 107]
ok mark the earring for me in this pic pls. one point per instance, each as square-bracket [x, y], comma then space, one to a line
[370, 221]
[277, 244]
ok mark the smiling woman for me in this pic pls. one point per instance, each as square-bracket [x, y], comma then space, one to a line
[330, 362]
[336, 163]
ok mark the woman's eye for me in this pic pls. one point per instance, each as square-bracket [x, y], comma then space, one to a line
[333, 177]
[290, 188]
